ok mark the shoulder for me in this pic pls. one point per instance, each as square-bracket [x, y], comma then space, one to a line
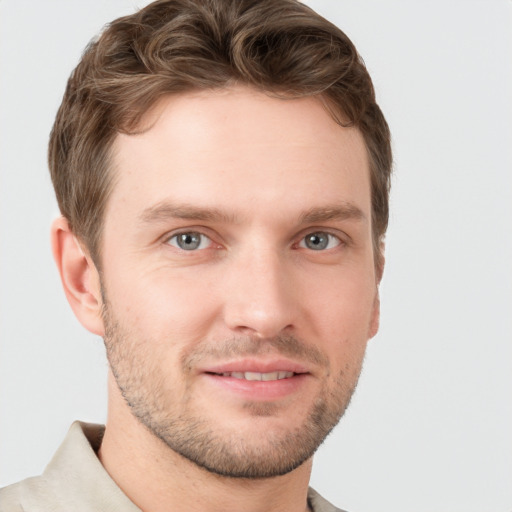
[320, 504]
[30, 495]
[52, 490]
[73, 481]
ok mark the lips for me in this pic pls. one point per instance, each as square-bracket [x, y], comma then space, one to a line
[266, 376]
[251, 369]
[259, 380]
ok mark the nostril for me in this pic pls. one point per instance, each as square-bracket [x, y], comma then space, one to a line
[264, 308]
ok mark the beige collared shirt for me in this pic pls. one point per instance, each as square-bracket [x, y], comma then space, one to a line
[75, 481]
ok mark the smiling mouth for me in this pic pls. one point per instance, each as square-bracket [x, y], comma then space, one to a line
[268, 376]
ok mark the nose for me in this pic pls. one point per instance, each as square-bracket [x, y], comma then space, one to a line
[260, 299]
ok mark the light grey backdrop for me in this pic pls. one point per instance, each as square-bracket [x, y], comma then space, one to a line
[430, 428]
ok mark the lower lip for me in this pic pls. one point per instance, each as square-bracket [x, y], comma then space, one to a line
[258, 389]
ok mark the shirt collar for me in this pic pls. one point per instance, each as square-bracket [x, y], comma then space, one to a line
[77, 475]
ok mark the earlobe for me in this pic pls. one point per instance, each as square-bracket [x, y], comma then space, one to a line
[375, 319]
[79, 276]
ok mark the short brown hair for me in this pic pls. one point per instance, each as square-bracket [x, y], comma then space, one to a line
[280, 47]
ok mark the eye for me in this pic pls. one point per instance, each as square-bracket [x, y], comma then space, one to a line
[190, 241]
[320, 241]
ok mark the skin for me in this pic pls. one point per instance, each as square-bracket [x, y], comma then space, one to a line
[255, 176]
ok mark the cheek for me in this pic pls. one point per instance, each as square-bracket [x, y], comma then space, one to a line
[344, 303]
[342, 318]
[163, 305]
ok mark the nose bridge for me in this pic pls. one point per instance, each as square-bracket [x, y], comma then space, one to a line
[260, 301]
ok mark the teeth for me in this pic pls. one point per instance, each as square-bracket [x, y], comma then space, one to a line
[259, 376]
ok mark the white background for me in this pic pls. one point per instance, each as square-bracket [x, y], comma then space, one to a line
[430, 427]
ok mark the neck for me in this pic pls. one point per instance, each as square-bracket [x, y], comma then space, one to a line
[157, 479]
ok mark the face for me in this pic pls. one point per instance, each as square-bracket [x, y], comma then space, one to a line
[238, 277]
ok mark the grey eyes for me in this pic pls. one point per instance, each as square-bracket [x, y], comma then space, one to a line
[193, 240]
[319, 241]
[190, 241]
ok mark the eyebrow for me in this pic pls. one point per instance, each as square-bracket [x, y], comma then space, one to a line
[166, 210]
[163, 211]
[337, 212]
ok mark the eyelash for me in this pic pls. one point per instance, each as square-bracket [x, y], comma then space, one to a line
[202, 237]
[303, 242]
[320, 234]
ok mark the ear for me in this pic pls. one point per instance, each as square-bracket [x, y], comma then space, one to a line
[79, 276]
[375, 315]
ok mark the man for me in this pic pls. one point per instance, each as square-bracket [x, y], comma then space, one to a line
[222, 171]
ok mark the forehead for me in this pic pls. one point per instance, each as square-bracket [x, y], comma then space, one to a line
[243, 149]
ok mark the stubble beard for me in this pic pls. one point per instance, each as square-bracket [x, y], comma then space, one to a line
[189, 433]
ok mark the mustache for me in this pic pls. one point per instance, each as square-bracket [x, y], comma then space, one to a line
[244, 346]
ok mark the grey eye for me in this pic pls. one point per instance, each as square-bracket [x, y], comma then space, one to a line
[319, 241]
[190, 241]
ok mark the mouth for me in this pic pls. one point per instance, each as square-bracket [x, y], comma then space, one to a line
[258, 380]
[257, 376]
